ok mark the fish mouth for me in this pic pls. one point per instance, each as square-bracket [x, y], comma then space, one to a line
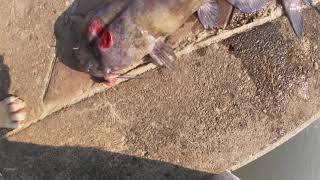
[92, 69]
[95, 74]
[111, 79]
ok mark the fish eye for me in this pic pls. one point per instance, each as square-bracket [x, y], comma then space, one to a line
[106, 40]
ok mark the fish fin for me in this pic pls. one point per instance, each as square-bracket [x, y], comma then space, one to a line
[163, 54]
[225, 17]
[293, 9]
[209, 14]
[310, 2]
[226, 175]
[313, 4]
[249, 6]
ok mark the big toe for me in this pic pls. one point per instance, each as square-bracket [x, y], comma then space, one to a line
[18, 116]
[16, 105]
[13, 113]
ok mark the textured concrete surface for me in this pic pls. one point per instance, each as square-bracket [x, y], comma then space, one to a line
[27, 47]
[222, 105]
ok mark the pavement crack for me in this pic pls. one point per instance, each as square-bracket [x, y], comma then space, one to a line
[49, 77]
[114, 113]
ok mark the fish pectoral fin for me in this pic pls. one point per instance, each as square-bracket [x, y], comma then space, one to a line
[209, 14]
[163, 54]
[293, 9]
[249, 6]
[226, 175]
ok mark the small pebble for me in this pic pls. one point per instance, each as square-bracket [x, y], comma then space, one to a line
[145, 153]
[316, 66]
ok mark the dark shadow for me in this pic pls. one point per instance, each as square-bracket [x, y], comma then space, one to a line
[5, 82]
[31, 161]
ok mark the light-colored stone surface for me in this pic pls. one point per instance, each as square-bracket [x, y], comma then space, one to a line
[223, 105]
[27, 47]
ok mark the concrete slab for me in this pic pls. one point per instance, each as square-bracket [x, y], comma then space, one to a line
[27, 48]
[221, 107]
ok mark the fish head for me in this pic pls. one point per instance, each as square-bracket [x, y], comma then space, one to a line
[107, 50]
[89, 59]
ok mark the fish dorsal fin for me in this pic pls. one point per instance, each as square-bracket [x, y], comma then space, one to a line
[249, 6]
[293, 9]
[163, 54]
[209, 14]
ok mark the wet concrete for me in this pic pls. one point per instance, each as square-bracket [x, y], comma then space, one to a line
[271, 61]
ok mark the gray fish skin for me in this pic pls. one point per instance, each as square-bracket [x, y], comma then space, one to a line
[249, 6]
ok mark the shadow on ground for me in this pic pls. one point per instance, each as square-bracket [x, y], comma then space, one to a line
[23, 161]
[5, 82]
[4, 78]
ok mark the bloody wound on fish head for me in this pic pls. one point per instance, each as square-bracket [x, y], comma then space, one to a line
[95, 28]
[106, 40]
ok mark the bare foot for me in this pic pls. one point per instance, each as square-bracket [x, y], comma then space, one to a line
[11, 112]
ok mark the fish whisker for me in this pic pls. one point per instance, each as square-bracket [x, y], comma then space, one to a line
[128, 77]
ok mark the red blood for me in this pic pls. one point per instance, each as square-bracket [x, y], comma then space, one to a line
[95, 28]
[106, 40]
[111, 80]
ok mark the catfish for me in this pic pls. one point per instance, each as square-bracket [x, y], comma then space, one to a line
[122, 31]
